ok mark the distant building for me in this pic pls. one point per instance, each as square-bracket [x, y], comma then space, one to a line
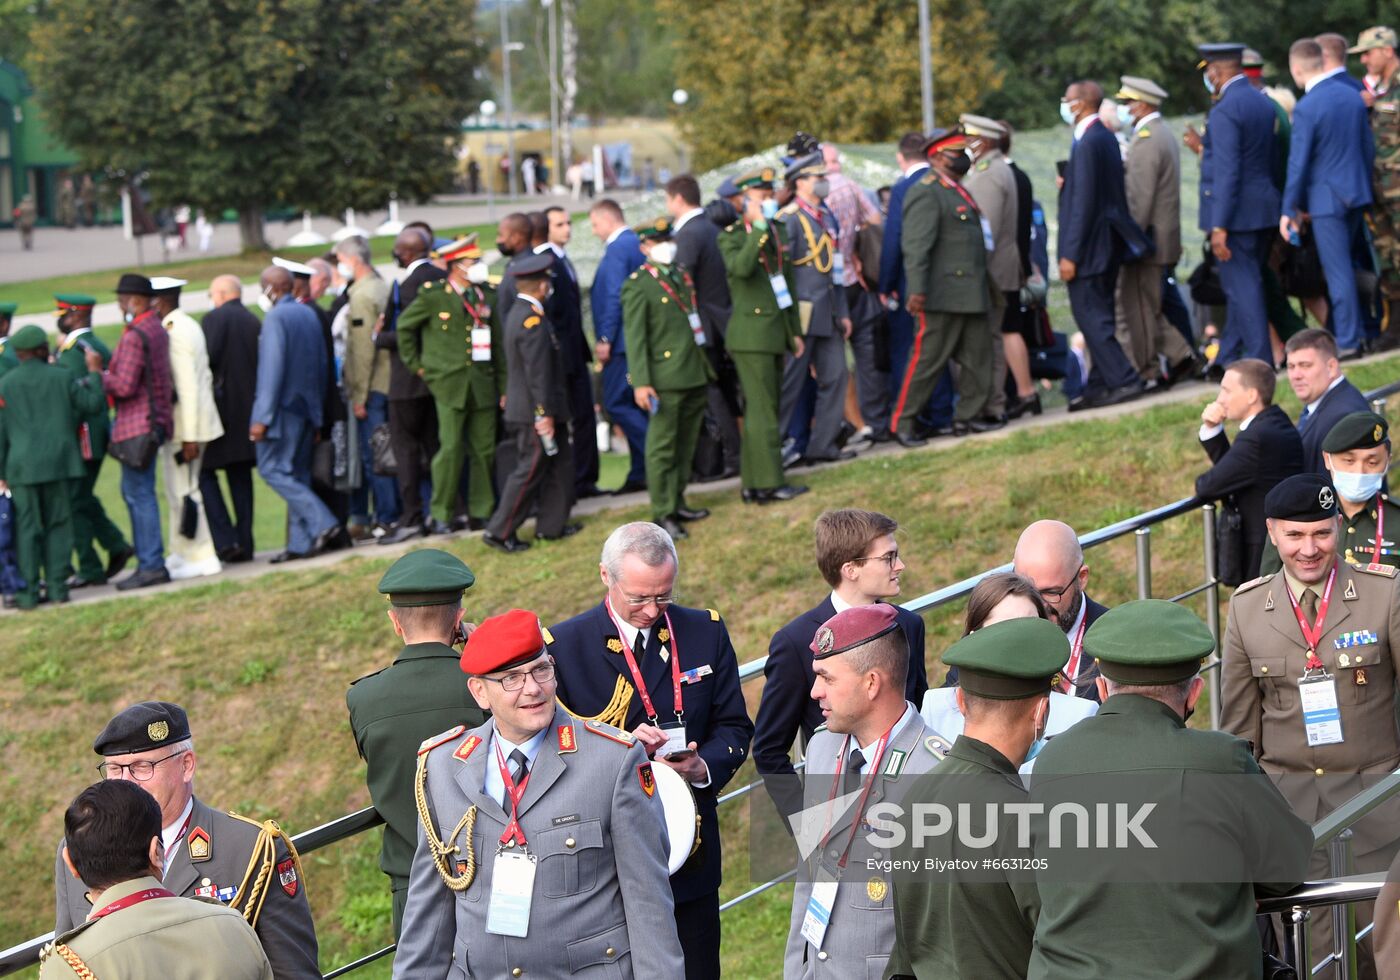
[32, 160]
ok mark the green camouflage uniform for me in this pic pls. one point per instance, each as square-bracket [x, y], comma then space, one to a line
[1385, 177]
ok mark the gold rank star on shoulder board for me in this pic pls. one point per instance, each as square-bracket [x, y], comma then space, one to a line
[531, 322]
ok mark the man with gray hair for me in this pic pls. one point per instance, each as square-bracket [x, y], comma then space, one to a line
[669, 675]
[1048, 553]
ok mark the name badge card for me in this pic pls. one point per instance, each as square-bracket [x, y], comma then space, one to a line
[1321, 718]
[818, 915]
[780, 290]
[481, 343]
[512, 887]
[987, 234]
[696, 328]
[838, 268]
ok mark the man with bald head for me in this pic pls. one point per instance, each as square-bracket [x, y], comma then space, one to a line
[413, 426]
[292, 368]
[1048, 553]
[231, 336]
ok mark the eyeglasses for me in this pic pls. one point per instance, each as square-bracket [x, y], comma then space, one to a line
[141, 770]
[515, 680]
[1053, 594]
[889, 558]
[638, 601]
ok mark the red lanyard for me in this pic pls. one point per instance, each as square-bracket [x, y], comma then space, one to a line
[471, 310]
[964, 194]
[178, 837]
[873, 767]
[777, 245]
[664, 285]
[130, 900]
[513, 833]
[1312, 635]
[1075, 649]
[641, 686]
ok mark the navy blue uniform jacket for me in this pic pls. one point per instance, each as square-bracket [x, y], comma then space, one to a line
[715, 715]
[1237, 162]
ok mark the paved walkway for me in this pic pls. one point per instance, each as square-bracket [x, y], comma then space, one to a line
[1186, 392]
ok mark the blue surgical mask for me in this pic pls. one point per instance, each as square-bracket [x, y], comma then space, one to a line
[1066, 113]
[1357, 487]
[1210, 86]
[770, 209]
[1125, 117]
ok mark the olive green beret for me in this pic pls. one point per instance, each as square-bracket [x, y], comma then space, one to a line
[1013, 659]
[1359, 430]
[1149, 641]
[29, 337]
[8, 309]
[762, 177]
[654, 231]
[428, 577]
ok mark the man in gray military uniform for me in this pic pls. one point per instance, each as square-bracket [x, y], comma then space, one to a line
[993, 186]
[1152, 182]
[810, 232]
[874, 743]
[248, 866]
[138, 928]
[1308, 678]
[541, 842]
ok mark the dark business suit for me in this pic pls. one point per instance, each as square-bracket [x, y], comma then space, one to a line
[716, 719]
[231, 335]
[1326, 412]
[1329, 176]
[620, 259]
[564, 311]
[787, 706]
[1094, 223]
[697, 251]
[1238, 194]
[1263, 455]
[1084, 686]
[900, 323]
[413, 427]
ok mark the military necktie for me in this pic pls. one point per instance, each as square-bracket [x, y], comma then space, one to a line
[1309, 606]
[519, 769]
[851, 781]
[639, 646]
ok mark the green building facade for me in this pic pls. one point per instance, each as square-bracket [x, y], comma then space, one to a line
[32, 160]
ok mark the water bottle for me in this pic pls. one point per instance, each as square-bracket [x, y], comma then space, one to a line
[551, 448]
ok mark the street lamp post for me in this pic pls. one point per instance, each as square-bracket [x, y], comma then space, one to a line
[680, 97]
[488, 109]
[506, 49]
[925, 66]
[551, 11]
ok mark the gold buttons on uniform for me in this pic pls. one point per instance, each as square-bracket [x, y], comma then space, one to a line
[665, 353]
[569, 842]
[757, 310]
[609, 952]
[665, 300]
[516, 972]
[1318, 772]
[1351, 530]
[1263, 670]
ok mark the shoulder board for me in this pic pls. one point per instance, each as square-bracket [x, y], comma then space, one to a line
[432, 743]
[1386, 571]
[548, 636]
[1144, 133]
[609, 732]
[1253, 583]
[983, 164]
[368, 676]
[731, 227]
[714, 615]
[530, 322]
[929, 178]
[938, 746]
[789, 209]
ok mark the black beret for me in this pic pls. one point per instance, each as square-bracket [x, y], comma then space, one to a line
[1305, 497]
[134, 285]
[532, 266]
[1359, 430]
[144, 726]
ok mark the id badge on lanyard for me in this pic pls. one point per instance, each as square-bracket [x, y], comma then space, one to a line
[817, 918]
[780, 290]
[481, 343]
[838, 267]
[696, 328]
[987, 239]
[1322, 719]
[512, 889]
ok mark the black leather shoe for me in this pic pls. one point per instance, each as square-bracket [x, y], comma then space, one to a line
[692, 513]
[402, 533]
[234, 555]
[282, 557]
[751, 496]
[631, 486]
[843, 434]
[1213, 372]
[932, 431]
[1349, 353]
[1121, 394]
[1182, 370]
[589, 490]
[1031, 404]
[435, 526]
[568, 531]
[78, 582]
[1079, 404]
[791, 458]
[476, 523]
[140, 580]
[117, 560]
[909, 441]
[334, 538]
[785, 492]
[674, 528]
[882, 434]
[509, 545]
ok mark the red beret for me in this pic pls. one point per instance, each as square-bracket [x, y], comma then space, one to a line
[502, 642]
[852, 628]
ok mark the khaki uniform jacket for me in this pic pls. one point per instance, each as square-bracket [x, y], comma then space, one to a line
[1263, 660]
[366, 366]
[169, 938]
[861, 932]
[601, 904]
[196, 415]
[945, 257]
[661, 348]
[993, 186]
[284, 925]
[751, 255]
[435, 335]
[1152, 182]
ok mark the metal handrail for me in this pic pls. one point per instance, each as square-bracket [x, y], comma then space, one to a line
[1330, 892]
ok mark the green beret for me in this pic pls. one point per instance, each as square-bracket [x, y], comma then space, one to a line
[8, 309]
[1359, 430]
[426, 578]
[70, 301]
[29, 337]
[1010, 660]
[654, 231]
[1149, 641]
[762, 177]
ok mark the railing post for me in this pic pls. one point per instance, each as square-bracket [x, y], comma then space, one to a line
[1295, 940]
[1143, 539]
[1212, 606]
[1343, 916]
[1378, 406]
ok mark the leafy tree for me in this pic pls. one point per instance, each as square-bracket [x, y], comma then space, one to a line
[844, 71]
[252, 104]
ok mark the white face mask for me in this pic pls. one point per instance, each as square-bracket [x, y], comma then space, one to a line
[663, 253]
[345, 271]
[478, 273]
[337, 288]
[1357, 487]
[127, 317]
[264, 302]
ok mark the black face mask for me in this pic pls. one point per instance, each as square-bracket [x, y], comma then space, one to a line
[960, 164]
[505, 249]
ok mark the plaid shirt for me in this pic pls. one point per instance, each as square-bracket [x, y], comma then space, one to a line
[127, 379]
[850, 205]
